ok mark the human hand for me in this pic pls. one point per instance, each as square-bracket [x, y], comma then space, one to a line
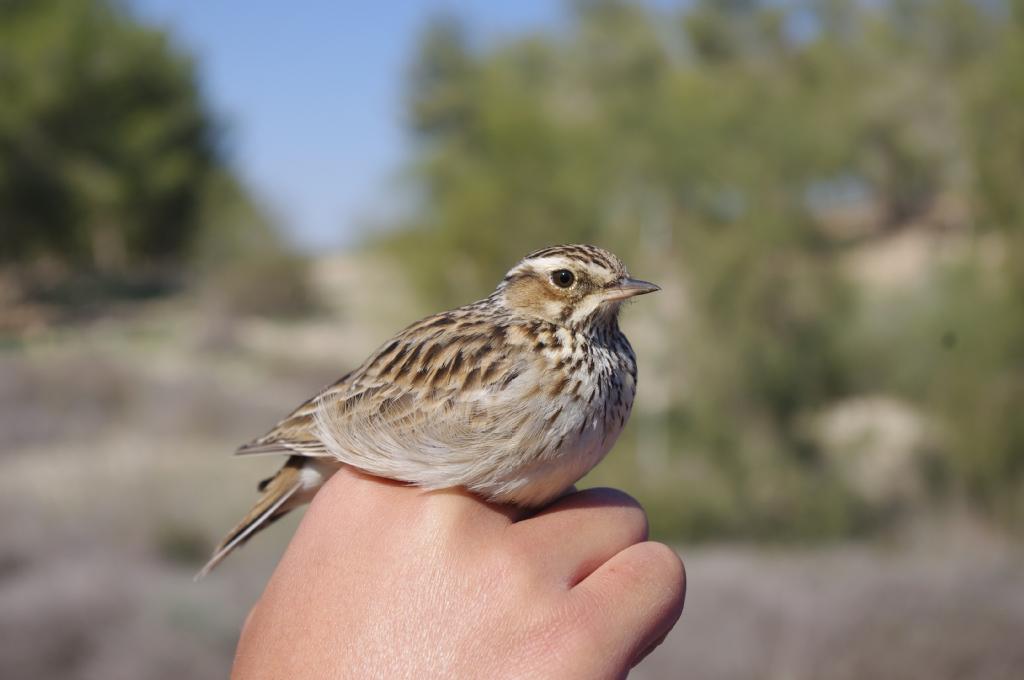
[385, 580]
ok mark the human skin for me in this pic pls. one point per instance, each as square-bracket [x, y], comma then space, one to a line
[383, 580]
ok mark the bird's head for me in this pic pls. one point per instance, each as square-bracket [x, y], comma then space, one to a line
[572, 285]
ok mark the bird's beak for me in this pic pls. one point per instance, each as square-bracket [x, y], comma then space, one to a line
[627, 288]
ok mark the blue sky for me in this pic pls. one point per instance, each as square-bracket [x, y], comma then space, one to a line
[312, 94]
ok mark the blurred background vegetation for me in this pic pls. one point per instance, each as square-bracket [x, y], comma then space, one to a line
[829, 192]
[113, 181]
[762, 159]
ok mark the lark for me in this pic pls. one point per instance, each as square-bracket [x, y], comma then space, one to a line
[514, 397]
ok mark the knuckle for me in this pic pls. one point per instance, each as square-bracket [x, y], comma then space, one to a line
[665, 569]
[635, 520]
[613, 497]
[622, 508]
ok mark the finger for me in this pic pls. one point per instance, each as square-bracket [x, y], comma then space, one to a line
[518, 513]
[582, 531]
[647, 652]
[631, 602]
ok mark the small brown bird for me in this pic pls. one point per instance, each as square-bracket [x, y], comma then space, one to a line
[514, 397]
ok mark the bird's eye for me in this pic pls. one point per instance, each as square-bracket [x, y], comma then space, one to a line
[563, 278]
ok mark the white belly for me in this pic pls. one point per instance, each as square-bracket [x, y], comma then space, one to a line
[567, 449]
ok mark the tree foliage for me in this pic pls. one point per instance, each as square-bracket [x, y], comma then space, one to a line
[112, 180]
[105, 143]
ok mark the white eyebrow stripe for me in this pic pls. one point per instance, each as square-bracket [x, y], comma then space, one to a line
[552, 262]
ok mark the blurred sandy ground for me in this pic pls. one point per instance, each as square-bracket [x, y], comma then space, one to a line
[116, 478]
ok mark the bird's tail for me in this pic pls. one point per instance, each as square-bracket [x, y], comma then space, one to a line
[293, 485]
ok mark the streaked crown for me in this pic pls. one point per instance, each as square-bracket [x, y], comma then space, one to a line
[570, 285]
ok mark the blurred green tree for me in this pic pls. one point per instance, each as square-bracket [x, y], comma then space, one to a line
[105, 144]
[112, 181]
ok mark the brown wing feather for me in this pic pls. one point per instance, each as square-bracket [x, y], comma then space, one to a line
[406, 358]
[280, 495]
[296, 433]
[428, 357]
